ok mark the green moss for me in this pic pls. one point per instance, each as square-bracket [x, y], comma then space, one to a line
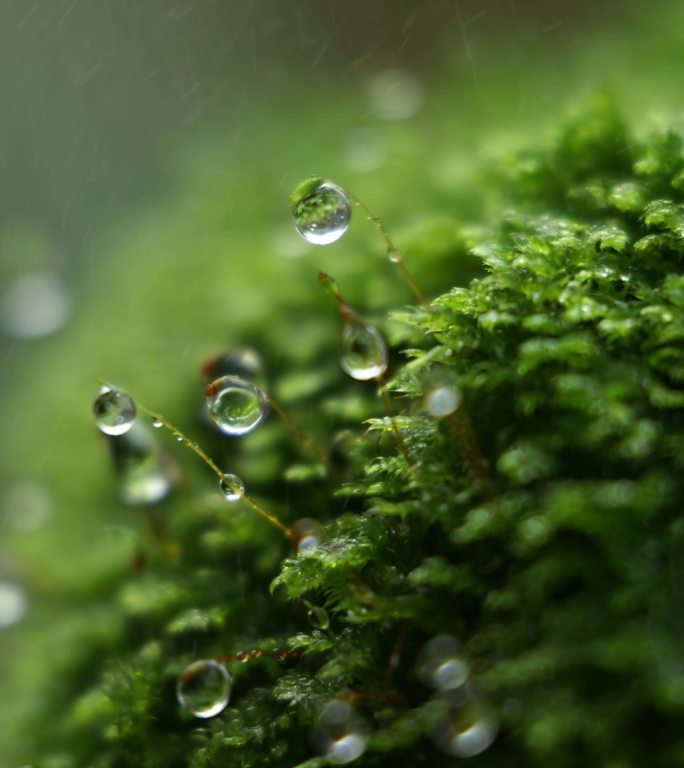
[564, 336]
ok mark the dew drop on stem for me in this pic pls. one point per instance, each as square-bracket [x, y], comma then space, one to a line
[235, 405]
[203, 688]
[114, 411]
[321, 211]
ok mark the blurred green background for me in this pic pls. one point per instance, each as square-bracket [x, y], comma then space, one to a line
[147, 154]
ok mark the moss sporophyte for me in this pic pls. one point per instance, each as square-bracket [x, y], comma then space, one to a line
[485, 583]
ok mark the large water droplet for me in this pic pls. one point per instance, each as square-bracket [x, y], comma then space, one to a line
[341, 733]
[321, 211]
[235, 405]
[13, 604]
[468, 731]
[441, 665]
[114, 411]
[203, 688]
[232, 487]
[363, 352]
[145, 472]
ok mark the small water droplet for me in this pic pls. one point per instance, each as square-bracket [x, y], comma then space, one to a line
[442, 400]
[157, 423]
[203, 688]
[13, 604]
[321, 211]
[318, 617]
[341, 733]
[440, 664]
[307, 533]
[114, 411]
[363, 352]
[467, 731]
[235, 405]
[232, 487]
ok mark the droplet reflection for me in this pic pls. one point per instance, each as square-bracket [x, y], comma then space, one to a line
[203, 688]
[321, 211]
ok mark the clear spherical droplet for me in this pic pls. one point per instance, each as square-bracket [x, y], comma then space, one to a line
[440, 664]
[13, 604]
[307, 533]
[318, 617]
[203, 688]
[235, 405]
[114, 411]
[232, 487]
[443, 400]
[363, 352]
[341, 733]
[467, 731]
[321, 211]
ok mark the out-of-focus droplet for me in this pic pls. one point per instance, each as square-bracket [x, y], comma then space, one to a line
[321, 211]
[318, 617]
[442, 400]
[363, 352]
[13, 604]
[307, 533]
[203, 688]
[114, 411]
[232, 487]
[157, 423]
[27, 505]
[365, 150]
[441, 665]
[145, 472]
[341, 733]
[467, 731]
[34, 305]
[395, 94]
[241, 361]
[235, 405]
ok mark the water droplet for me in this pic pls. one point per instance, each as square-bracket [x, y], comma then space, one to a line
[440, 664]
[442, 400]
[395, 94]
[321, 211]
[114, 411]
[235, 405]
[467, 731]
[145, 472]
[203, 688]
[341, 733]
[157, 423]
[363, 352]
[13, 604]
[307, 533]
[34, 305]
[318, 617]
[232, 487]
